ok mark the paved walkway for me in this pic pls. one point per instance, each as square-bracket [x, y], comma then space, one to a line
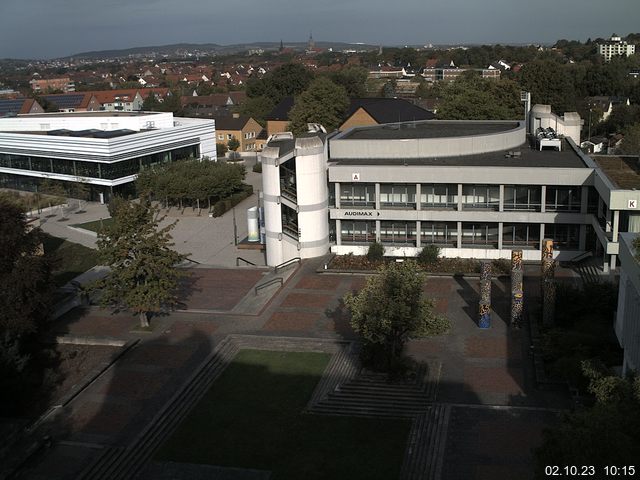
[496, 414]
[209, 241]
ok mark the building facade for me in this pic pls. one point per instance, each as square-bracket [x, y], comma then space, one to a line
[614, 47]
[474, 189]
[627, 325]
[105, 150]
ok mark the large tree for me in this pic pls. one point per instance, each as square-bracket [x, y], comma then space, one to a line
[24, 273]
[25, 283]
[391, 308]
[473, 98]
[144, 276]
[323, 102]
[631, 141]
[286, 80]
[607, 433]
[549, 84]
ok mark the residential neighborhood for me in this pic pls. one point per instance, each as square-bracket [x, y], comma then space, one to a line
[291, 254]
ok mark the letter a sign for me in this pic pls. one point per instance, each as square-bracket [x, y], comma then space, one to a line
[355, 177]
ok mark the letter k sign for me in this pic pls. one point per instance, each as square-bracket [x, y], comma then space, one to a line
[632, 204]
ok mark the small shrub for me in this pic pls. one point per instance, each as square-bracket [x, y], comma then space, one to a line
[375, 252]
[226, 204]
[428, 255]
[257, 167]
[501, 266]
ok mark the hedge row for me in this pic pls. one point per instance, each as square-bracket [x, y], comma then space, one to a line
[226, 204]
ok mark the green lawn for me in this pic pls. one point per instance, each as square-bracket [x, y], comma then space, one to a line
[252, 418]
[71, 259]
[95, 225]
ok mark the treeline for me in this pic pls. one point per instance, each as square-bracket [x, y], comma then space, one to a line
[192, 183]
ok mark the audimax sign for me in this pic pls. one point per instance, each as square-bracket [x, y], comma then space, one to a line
[361, 213]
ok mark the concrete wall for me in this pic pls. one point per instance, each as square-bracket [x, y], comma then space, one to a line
[627, 322]
[568, 125]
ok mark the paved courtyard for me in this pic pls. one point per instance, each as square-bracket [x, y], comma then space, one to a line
[496, 414]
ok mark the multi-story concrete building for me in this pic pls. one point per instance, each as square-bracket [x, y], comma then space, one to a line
[614, 47]
[627, 324]
[44, 85]
[476, 189]
[105, 150]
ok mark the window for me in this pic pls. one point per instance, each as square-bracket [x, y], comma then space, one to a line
[522, 197]
[439, 196]
[480, 235]
[565, 237]
[220, 137]
[563, 199]
[521, 235]
[358, 195]
[481, 196]
[398, 233]
[442, 234]
[229, 136]
[357, 232]
[398, 196]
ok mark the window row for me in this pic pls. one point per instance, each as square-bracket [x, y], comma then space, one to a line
[110, 171]
[445, 196]
[445, 234]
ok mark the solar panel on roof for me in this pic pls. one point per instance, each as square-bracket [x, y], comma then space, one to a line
[10, 106]
[66, 101]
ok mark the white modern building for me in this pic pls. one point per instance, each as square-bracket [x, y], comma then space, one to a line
[105, 150]
[627, 324]
[614, 47]
[476, 189]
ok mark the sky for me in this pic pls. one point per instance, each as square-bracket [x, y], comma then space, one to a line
[57, 28]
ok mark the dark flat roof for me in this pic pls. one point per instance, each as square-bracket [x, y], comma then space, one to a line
[529, 157]
[428, 129]
[624, 172]
[101, 113]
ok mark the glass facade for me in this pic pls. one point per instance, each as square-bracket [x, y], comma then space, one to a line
[565, 237]
[522, 235]
[441, 234]
[483, 235]
[358, 195]
[438, 196]
[486, 197]
[357, 232]
[86, 169]
[522, 197]
[290, 222]
[397, 196]
[563, 199]
[398, 233]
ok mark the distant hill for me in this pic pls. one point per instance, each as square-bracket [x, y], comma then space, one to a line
[181, 49]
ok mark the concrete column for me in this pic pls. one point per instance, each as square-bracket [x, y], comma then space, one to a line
[543, 198]
[605, 263]
[459, 235]
[338, 232]
[582, 238]
[337, 194]
[377, 230]
[584, 200]
[600, 203]
[616, 225]
[418, 240]
[377, 197]
[500, 225]
[459, 197]
[418, 193]
[541, 235]
[613, 262]
[501, 201]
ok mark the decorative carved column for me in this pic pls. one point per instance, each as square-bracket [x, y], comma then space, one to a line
[548, 282]
[517, 288]
[484, 310]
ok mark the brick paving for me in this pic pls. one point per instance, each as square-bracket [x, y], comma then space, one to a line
[217, 288]
[478, 366]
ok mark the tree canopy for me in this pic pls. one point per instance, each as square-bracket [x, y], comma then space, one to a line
[323, 102]
[631, 141]
[391, 308]
[287, 80]
[144, 275]
[192, 180]
[473, 98]
[606, 434]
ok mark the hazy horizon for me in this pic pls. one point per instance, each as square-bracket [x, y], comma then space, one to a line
[40, 29]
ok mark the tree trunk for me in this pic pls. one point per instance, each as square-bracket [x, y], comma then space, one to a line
[144, 320]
